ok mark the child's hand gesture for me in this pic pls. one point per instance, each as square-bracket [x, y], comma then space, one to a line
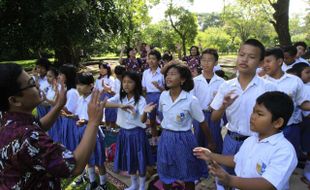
[129, 108]
[223, 177]
[149, 107]
[202, 153]
[95, 108]
[229, 99]
[80, 122]
[61, 96]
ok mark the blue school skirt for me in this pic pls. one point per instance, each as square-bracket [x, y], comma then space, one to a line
[70, 135]
[110, 113]
[42, 110]
[56, 131]
[133, 151]
[305, 135]
[175, 158]
[153, 97]
[97, 157]
[215, 129]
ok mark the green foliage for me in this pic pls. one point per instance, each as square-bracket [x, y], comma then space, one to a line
[206, 20]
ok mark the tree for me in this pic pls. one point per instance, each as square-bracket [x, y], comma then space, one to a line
[63, 26]
[184, 24]
[206, 20]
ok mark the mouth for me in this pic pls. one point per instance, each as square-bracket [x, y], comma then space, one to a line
[243, 65]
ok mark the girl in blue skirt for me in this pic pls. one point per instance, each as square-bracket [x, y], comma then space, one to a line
[133, 152]
[175, 160]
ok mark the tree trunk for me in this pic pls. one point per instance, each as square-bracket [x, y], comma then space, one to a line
[281, 21]
[65, 55]
[184, 45]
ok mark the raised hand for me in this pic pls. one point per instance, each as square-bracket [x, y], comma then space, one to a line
[202, 153]
[61, 95]
[149, 107]
[129, 108]
[95, 108]
[229, 98]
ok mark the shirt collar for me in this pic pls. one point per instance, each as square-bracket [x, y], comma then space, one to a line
[254, 81]
[156, 72]
[273, 139]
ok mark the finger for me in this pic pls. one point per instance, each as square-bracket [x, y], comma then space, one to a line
[94, 96]
[103, 103]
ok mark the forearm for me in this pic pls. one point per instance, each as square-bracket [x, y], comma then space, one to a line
[112, 105]
[48, 120]
[250, 183]
[217, 114]
[143, 117]
[85, 148]
[206, 131]
[226, 160]
[305, 106]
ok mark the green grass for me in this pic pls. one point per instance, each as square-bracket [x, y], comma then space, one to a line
[27, 64]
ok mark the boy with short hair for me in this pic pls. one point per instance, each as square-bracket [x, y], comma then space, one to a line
[265, 161]
[301, 51]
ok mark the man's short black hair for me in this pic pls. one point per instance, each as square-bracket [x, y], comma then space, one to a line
[279, 104]
[85, 78]
[276, 52]
[303, 44]
[258, 44]
[212, 52]
[156, 54]
[44, 62]
[291, 50]
[119, 70]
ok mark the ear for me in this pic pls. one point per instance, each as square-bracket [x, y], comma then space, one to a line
[13, 101]
[280, 61]
[277, 124]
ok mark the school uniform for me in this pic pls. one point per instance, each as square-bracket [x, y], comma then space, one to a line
[133, 151]
[69, 129]
[98, 155]
[239, 112]
[109, 113]
[272, 158]
[175, 159]
[117, 86]
[294, 87]
[205, 92]
[55, 132]
[305, 130]
[286, 67]
[152, 93]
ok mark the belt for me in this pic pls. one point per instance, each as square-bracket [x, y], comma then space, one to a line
[236, 136]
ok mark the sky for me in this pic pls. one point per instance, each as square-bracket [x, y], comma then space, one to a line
[208, 6]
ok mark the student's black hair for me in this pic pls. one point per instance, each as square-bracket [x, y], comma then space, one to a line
[258, 44]
[221, 74]
[128, 51]
[190, 49]
[185, 73]
[9, 73]
[138, 87]
[276, 52]
[70, 72]
[167, 57]
[156, 54]
[119, 69]
[54, 71]
[85, 78]
[43, 62]
[298, 68]
[105, 66]
[303, 44]
[291, 50]
[212, 52]
[279, 104]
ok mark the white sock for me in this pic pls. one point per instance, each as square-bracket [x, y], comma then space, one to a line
[307, 170]
[141, 183]
[103, 179]
[134, 183]
[91, 174]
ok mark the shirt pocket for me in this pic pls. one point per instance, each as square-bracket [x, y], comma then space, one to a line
[180, 116]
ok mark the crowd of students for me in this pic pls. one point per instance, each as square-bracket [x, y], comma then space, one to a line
[265, 110]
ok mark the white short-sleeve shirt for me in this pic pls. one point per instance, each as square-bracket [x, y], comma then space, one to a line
[126, 119]
[178, 115]
[148, 77]
[106, 80]
[307, 90]
[72, 100]
[42, 81]
[117, 86]
[294, 87]
[239, 112]
[204, 91]
[82, 104]
[272, 158]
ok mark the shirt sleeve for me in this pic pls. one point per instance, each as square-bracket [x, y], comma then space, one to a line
[219, 97]
[141, 105]
[72, 99]
[277, 173]
[160, 105]
[115, 99]
[41, 154]
[196, 110]
[301, 95]
[143, 79]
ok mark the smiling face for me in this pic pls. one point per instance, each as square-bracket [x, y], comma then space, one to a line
[248, 59]
[272, 65]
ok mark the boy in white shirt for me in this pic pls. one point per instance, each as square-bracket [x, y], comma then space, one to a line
[266, 160]
[292, 86]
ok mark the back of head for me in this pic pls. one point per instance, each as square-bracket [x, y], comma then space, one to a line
[70, 72]
[167, 57]
[119, 69]
[44, 62]
[291, 50]
[279, 104]
[258, 44]
[85, 78]
[276, 52]
[9, 73]
[212, 52]
[303, 44]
